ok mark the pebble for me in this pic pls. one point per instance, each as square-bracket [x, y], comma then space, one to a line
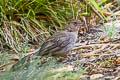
[96, 76]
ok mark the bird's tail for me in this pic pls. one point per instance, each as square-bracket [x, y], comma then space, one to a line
[25, 60]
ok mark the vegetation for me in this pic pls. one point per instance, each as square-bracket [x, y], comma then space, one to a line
[34, 19]
[37, 70]
[23, 20]
[25, 23]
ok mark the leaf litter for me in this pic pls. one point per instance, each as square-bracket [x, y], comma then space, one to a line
[96, 53]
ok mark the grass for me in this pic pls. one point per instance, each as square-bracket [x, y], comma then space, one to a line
[22, 20]
[33, 18]
[51, 70]
[110, 28]
[37, 69]
[30, 21]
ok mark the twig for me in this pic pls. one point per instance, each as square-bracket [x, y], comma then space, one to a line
[115, 46]
[91, 45]
[93, 53]
[94, 10]
[89, 54]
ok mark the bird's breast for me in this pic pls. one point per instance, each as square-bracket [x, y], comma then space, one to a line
[73, 35]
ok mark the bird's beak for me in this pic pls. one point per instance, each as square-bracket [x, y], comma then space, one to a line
[82, 23]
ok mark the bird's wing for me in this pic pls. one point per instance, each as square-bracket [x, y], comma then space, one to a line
[56, 42]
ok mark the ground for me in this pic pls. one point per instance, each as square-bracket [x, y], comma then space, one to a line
[96, 53]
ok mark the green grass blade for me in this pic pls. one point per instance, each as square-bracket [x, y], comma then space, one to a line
[97, 7]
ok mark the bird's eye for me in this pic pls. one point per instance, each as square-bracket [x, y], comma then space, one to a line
[75, 23]
[82, 23]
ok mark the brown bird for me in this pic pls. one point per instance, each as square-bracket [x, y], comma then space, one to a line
[61, 43]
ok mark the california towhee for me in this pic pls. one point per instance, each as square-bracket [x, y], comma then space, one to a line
[61, 43]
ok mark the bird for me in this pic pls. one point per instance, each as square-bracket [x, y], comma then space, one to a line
[61, 43]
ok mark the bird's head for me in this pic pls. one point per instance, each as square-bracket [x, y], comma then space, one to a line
[74, 25]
